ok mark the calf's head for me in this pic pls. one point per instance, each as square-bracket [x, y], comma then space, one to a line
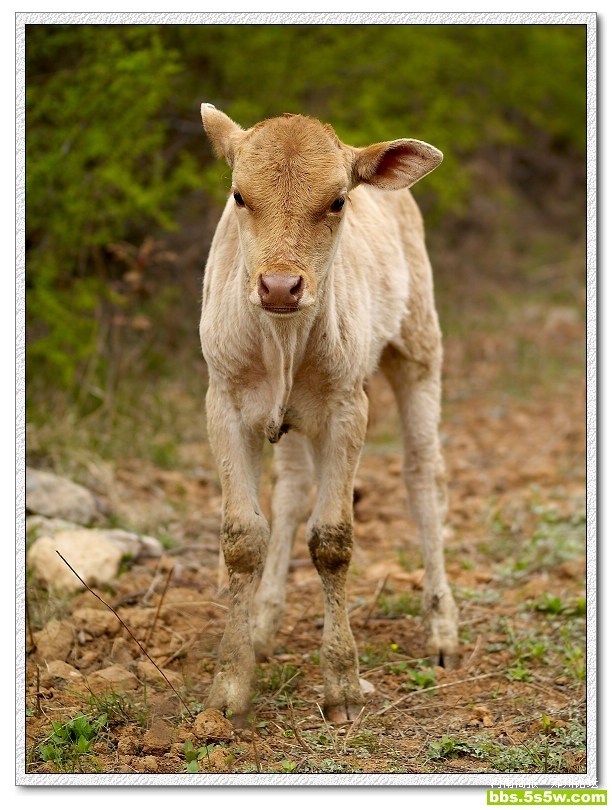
[291, 178]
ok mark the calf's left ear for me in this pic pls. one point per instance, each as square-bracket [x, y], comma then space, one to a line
[394, 164]
[223, 133]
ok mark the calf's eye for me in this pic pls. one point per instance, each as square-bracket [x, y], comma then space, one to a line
[337, 205]
[238, 200]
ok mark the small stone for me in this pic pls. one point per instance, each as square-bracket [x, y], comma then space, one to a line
[115, 678]
[96, 622]
[62, 670]
[148, 671]
[55, 641]
[55, 497]
[158, 738]
[212, 726]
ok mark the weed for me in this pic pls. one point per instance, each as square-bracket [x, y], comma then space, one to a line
[448, 748]
[545, 753]
[423, 678]
[396, 605]
[535, 536]
[194, 756]
[71, 741]
[519, 672]
[119, 708]
[548, 603]
[279, 681]
[373, 656]
[288, 765]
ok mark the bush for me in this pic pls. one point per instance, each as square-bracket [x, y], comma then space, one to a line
[97, 112]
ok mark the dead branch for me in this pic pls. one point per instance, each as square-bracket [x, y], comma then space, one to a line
[114, 612]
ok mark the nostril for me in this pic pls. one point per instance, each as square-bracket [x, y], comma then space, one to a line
[297, 288]
[262, 287]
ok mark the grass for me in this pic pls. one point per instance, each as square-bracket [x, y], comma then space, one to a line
[69, 746]
[530, 536]
[543, 753]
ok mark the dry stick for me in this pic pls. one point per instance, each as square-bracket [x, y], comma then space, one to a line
[114, 612]
[379, 590]
[295, 730]
[161, 601]
[256, 753]
[29, 623]
[474, 651]
[433, 689]
[38, 709]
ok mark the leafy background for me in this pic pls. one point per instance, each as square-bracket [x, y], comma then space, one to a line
[122, 189]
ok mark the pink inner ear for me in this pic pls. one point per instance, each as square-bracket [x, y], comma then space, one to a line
[396, 165]
[400, 166]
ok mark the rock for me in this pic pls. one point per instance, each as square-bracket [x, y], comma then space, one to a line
[55, 640]
[146, 764]
[61, 670]
[123, 652]
[132, 544]
[158, 738]
[96, 622]
[95, 555]
[218, 759]
[54, 497]
[115, 678]
[39, 525]
[481, 717]
[366, 686]
[211, 726]
[96, 559]
[149, 672]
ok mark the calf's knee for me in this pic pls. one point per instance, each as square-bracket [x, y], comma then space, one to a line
[331, 546]
[244, 547]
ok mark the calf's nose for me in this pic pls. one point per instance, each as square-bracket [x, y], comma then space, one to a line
[280, 292]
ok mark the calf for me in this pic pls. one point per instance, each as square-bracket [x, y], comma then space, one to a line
[317, 275]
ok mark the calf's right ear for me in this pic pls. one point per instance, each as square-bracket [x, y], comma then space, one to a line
[394, 164]
[222, 132]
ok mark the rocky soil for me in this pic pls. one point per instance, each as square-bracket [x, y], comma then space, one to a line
[135, 651]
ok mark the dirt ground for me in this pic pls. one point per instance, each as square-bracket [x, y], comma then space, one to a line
[516, 558]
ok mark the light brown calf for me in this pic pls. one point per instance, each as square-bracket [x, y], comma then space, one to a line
[317, 275]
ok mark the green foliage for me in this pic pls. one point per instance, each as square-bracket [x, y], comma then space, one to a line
[194, 756]
[545, 752]
[461, 87]
[97, 171]
[113, 136]
[70, 741]
[417, 679]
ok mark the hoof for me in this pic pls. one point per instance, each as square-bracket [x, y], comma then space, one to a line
[264, 650]
[344, 713]
[446, 659]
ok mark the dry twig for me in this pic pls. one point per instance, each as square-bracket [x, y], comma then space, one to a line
[114, 612]
[433, 689]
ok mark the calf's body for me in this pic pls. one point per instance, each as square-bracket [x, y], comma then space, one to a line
[317, 275]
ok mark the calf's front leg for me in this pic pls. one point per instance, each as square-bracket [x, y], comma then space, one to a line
[330, 541]
[244, 540]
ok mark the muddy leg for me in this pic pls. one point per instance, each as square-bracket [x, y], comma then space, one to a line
[244, 540]
[330, 540]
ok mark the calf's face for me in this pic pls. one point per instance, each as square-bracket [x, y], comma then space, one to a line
[291, 177]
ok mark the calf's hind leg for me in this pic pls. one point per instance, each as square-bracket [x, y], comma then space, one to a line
[290, 501]
[416, 385]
